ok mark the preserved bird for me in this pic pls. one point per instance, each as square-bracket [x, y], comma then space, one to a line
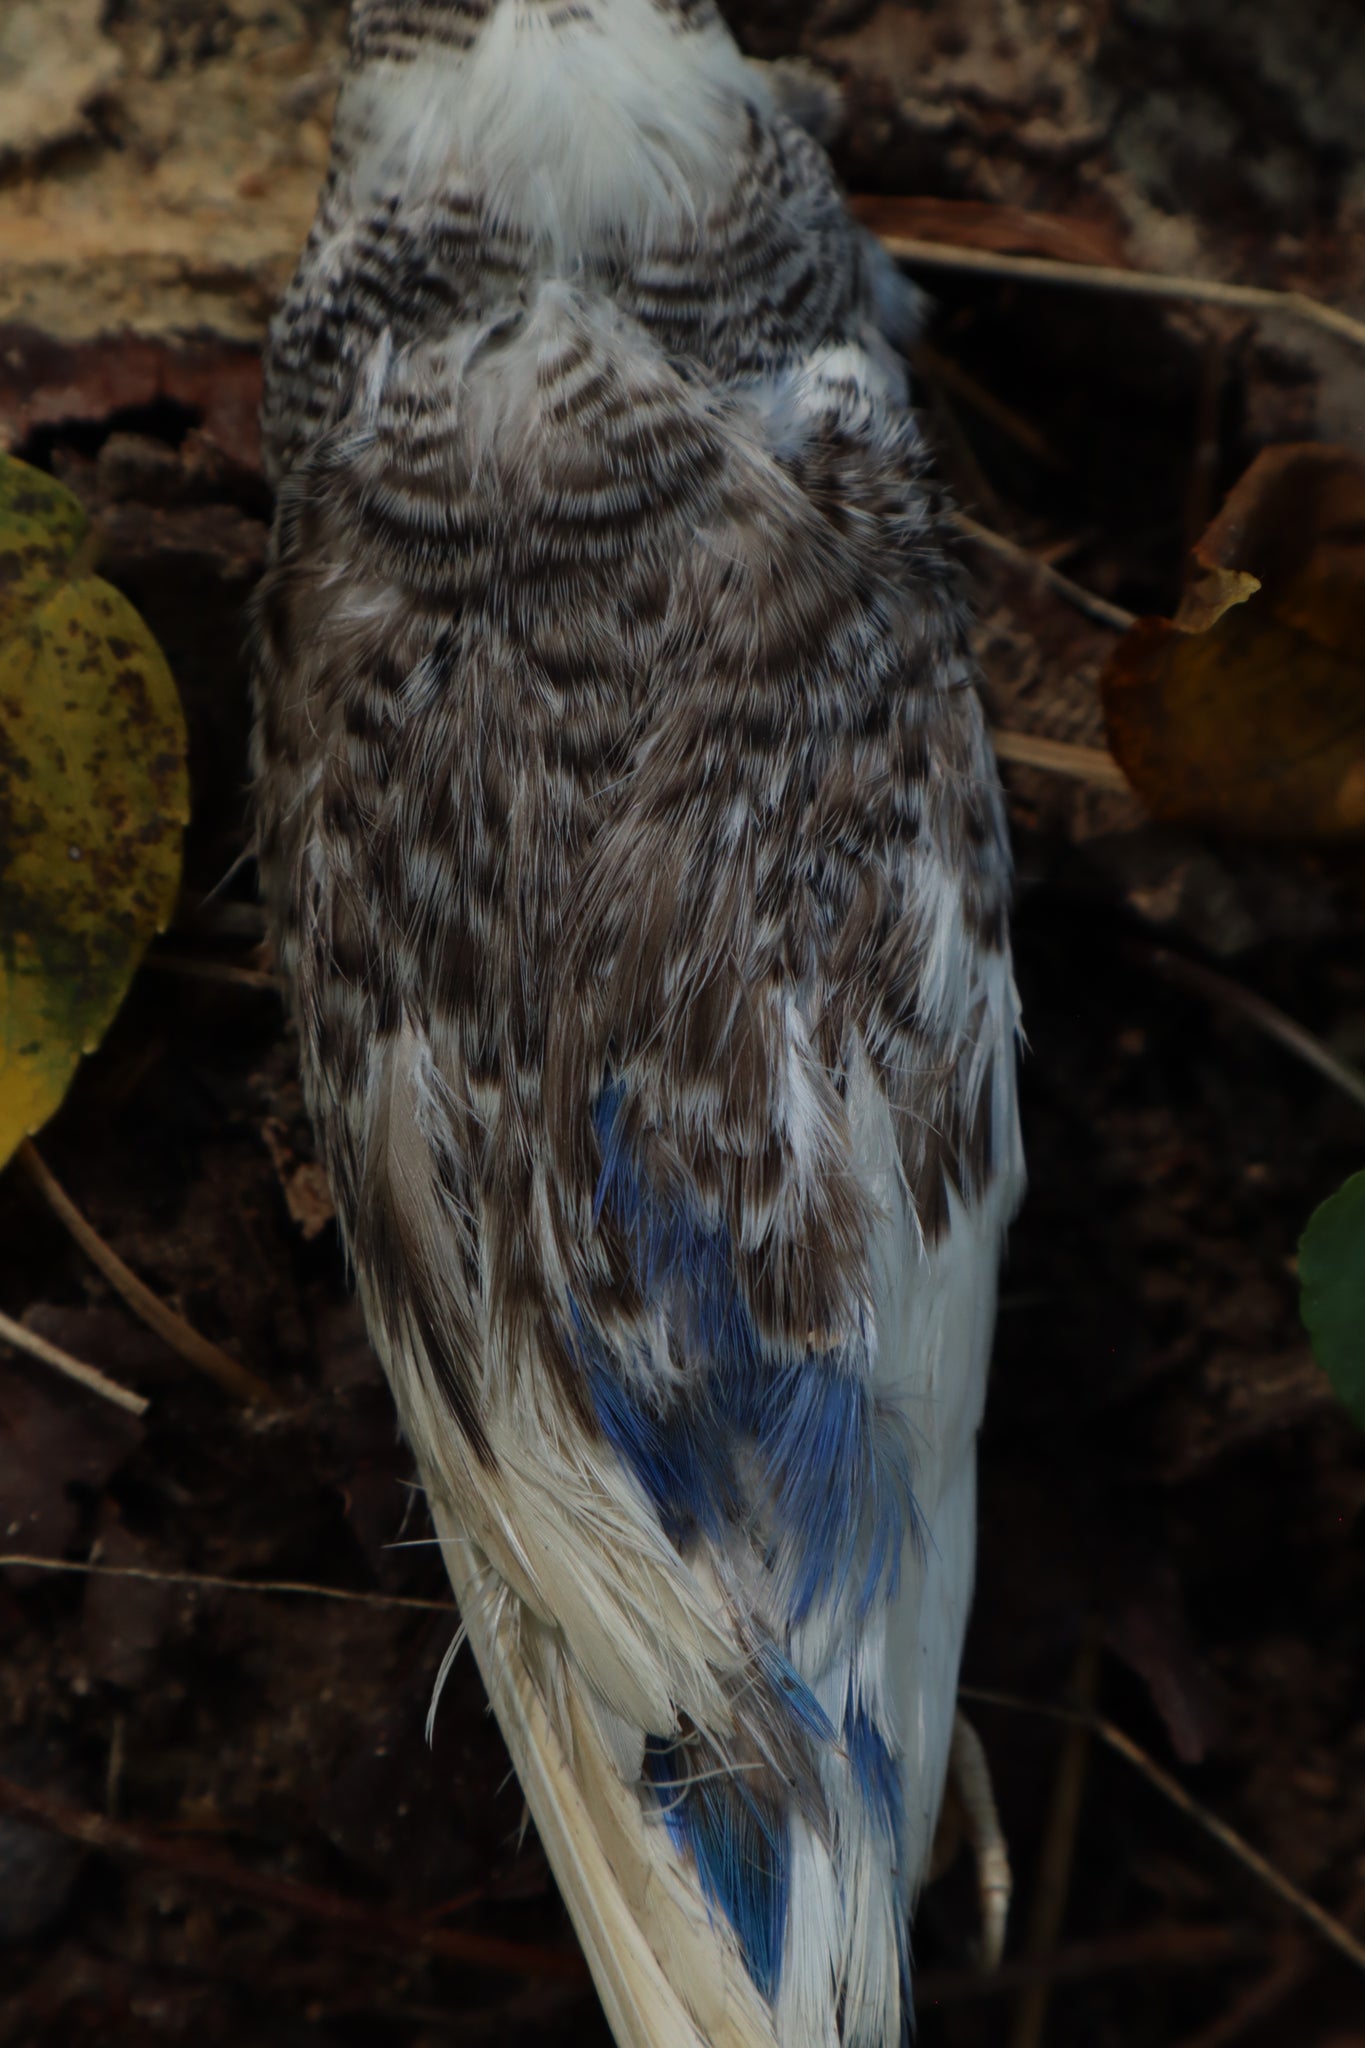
[637, 865]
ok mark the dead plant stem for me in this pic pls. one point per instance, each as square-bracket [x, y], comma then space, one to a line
[197, 1351]
[1099, 277]
[62, 1361]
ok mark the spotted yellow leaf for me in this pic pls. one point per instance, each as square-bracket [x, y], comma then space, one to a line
[93, 797]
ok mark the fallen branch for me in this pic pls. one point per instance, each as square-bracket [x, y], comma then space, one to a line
[197, 1351]
[61, 1361]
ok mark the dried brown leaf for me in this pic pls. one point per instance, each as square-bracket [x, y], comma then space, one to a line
[1245, 714]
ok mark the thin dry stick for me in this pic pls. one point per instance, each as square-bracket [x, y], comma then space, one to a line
[197, 1351]
[1052, 1885]
[370, 1926]
[62, 1361]
[943, 370]
[1097, 608]
[208, 1581]
[1218, 988]
[224, 920]
[1143, 283]
[1060, 757]
[1165, 1946]
[1264, 1997]
[1317, 1917]
[113, 1769]
[225, 972]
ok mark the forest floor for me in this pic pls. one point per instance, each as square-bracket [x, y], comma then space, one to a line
[247, 1837]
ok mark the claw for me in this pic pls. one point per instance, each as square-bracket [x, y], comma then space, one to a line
[970, 1776]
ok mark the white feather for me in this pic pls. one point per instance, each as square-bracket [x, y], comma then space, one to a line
[564, 1524]
[935, 1315]
[567, 128]
[807, 2002]
[669, 1976]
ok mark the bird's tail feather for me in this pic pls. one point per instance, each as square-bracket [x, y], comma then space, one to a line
[667, 1969]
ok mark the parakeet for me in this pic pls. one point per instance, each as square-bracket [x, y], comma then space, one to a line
[637, 866]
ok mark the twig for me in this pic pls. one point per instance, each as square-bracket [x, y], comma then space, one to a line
[113, 1769]
[225, 972]
[220, 917]
[209, 1582]
[1144, 283]
[1166, 1946]
[1264, 1997]
[371, 1926]
[939, 369]
[62, 1361]
[1097, 608]
[1201, 484]
[197, 1351]
[1052, 1885]
[1060, 757]
[961, 458]
[1219, 988]
[1324, 1923]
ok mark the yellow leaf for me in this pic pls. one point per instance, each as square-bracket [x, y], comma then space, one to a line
[93, 797]
[1246, 713]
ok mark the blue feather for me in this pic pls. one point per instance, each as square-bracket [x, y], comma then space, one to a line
[878, 1783]
[740, 1850]
[685, 1470]
[787, 1685]
[677, 1258]
[876, 1772]
[824, 1469]
[813, 1426]
[838, 1475]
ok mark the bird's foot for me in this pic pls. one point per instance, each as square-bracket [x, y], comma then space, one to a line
[969, 1779]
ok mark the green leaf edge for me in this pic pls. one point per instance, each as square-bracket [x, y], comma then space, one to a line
[1333, 1242]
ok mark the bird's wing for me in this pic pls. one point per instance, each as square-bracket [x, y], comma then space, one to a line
[643, 882]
